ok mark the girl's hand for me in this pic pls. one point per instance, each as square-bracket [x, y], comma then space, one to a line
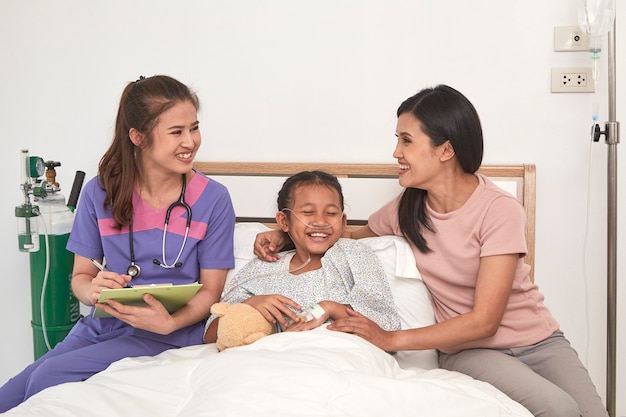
[360, 325]
[274, 307]
[332, 310]
[268, 244]
[301, 326]
[153, 317]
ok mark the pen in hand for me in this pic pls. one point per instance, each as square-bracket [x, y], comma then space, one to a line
[103, 268]
[98, 264]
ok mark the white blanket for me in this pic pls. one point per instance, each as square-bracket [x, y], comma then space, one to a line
[315, 373]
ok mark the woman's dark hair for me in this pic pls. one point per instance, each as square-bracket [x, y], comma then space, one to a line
[141, 104]
[444, 114]
[285, 195]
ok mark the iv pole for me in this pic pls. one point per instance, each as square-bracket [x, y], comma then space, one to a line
[611, 134]
[612, 140]
[593, 16]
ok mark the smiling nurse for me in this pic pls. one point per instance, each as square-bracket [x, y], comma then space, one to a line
[123, 213]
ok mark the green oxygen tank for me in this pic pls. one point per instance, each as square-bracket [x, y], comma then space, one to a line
[43, 231]
[54, 307]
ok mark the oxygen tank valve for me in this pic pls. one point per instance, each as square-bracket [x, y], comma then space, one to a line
[51, 174]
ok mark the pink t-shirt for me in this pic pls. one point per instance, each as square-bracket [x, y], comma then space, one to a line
[491, 222]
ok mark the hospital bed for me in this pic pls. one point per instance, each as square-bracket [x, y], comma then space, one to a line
[314, 373]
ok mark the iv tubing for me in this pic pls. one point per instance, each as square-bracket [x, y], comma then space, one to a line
[312, 226]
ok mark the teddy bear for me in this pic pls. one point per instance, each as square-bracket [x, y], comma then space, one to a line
[240, 324]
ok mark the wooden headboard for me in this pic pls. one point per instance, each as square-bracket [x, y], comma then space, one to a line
[254, 185]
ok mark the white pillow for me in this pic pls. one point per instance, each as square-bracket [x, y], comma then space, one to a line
[243, 244]
[410, 294]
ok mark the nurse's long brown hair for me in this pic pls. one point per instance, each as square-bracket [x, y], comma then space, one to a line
[444, 114]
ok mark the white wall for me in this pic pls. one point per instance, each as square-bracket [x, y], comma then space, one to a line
[288, 80]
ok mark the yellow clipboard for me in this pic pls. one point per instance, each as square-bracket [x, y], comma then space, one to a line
[173, 297]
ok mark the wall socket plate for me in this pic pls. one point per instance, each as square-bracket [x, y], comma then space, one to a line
[570, 39]
[572, 80]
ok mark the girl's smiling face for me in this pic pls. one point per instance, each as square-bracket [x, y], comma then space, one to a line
[315, 220]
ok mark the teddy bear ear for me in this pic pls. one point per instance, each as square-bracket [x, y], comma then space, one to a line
[219, 309]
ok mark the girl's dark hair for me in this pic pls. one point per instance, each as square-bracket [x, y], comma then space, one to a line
[141, 104]
[444, 114]
[285, 195]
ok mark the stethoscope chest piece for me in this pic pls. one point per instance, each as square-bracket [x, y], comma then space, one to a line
[133, 270]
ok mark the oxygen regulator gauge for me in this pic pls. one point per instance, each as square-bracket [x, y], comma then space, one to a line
[36, 167]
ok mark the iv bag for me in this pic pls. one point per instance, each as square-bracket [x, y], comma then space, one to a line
[596, 17]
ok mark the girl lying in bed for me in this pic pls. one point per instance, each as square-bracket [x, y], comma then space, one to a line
[324, 276]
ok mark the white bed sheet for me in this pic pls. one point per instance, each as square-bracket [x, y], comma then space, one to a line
[315, 373]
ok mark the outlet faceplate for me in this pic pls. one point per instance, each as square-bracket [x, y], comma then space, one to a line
[572, 80]
[570, 39]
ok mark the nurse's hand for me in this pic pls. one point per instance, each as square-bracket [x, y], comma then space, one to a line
[106, 280]
[153, 317]
[89, 278]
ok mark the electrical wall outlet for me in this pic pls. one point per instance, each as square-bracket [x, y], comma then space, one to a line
[572, 80]
[570, 39]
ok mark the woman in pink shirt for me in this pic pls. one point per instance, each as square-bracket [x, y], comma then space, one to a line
[468, 237]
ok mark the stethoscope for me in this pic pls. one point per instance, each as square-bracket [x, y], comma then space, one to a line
[133, 269]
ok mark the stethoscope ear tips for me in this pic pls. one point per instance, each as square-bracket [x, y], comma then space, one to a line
[176, 265]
